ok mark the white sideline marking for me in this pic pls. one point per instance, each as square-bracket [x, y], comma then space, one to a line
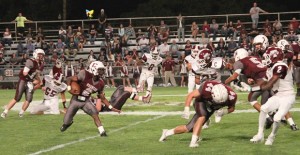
[92, 137]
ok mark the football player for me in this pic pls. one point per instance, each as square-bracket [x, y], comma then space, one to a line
[260, 43]
[210, 96]
[280, 83]
[90, 81]
[29, 80]
[149, 62]
[52, 87]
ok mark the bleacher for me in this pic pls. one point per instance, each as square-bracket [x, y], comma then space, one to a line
[50, 30]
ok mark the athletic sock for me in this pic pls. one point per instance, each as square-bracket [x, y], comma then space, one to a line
[291, 121]
[101, 129]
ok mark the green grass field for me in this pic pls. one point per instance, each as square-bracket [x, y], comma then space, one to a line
[139, 134]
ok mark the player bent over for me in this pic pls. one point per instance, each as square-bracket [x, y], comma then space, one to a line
[280, 82]
[53, 86]
[90, 81]
[28, 82]
[211, 96]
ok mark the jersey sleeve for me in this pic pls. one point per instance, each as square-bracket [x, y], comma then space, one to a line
[81, 75]
[29, 64]
[238, 67]
[280, 70]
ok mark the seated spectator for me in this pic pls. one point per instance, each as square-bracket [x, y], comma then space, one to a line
[187, 48]
[144, 44]
[224, 31]
[108, 32]
[69, 70]
[45, 47]
[62, 33]
[254, 32]
[1, 47]
[23, 59]
[54, 58]
[152, 41]
[139, 35]
[70, 34]
[163, 31]
[164, 49]
[79, 38]
[92, 34]
[205, 30]
[245, 45]
[210, 45]
[221, 49]
[268, 33]
[91, 57]
[231, 29]
[277, 31]
[81, 64]
[295, 24]
[268, 25]
[232, 46]
[135, 54]
[29, 35]
[214, 28]
[71, 49]
[13, 61]
[110, 57]
[102, 55]
[39, 34]
[52, 47]
[20, 48]
[121, 31]
[3, 62]
[243, 36]
[174, 50]
[129, 32]
[7, 39]
[291, 34]
[30, 47]
[60, 46]
[195, 30]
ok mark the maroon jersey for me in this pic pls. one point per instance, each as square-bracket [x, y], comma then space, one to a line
[33, 69]
[250, 66]
[205, 91]
[296, 50]
[87, 84]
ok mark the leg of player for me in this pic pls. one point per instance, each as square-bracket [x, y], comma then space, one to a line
[169, 132]
[8, 107]
[291, 122]
[99, 125]
[196, 131]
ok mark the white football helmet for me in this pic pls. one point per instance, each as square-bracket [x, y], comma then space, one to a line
[94, 66]
[154, 53]
[195, 50]
[240, 53]
[219, 93]
[36, 53]
[261, 39]
[283, 44]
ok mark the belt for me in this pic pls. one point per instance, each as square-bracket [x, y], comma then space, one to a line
[81, 98]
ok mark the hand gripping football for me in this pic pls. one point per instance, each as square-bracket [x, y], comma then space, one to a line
[75, 88]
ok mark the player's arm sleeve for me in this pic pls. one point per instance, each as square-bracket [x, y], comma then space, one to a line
[27, 67]
[279, 72]
[238, 67]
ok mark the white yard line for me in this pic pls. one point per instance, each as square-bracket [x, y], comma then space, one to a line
[92, 137]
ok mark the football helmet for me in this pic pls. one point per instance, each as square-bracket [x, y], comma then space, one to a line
[154, 53]
[240, 53]
[57, 79]
[205, 56]
[272, 55]
[219, 93]
[195, 50]
[260, 42]
[95, 66]
[36, 54]
[283, 44]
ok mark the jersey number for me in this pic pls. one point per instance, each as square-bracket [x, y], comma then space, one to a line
[150, 67]
[279, 69]
[50, 92]
[257, 63]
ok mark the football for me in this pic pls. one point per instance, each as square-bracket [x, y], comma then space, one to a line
[75, 88]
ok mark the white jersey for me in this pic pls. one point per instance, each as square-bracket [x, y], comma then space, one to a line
[51, 89]
[283, 86]
[191, 60]
[149, 63]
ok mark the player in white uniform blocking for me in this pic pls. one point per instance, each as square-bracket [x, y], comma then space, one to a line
[280, 82]
[149, 62]
[52, 87]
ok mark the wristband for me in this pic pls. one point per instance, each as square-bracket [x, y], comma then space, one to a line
[256, 88]
[110, 107]
[69, 88]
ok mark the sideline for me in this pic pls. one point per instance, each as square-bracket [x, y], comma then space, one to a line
[92, 137]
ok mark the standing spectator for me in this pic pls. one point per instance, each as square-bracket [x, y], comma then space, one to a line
[205, 30]
[224, 30]
[183, 73]
[195, 30]
[20, 24]
[168, 70]
[6, 37]
[109, 75]
[180, 27]
[187, 48]
[152, 31]
[291, 34]
[294, 23]
[124, 74]
[221, 48]
[239, 27]
[102, 22]
[214, 28]
[2, 63]
[254, 12]
[69, 70]
[108, 32]
[163, 31]
[92, 34]
[136, 73]
[231, 29]
[70, 34]
[174, 49]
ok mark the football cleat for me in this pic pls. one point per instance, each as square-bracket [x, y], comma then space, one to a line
[294, 127]
[21, 115]
[269, 122]
[3, 115]
[206, 124]
[163, 135]
[103, 134]
[270, 140]
[257, 138]
[146, 99]
[193, 145]
[64, 127]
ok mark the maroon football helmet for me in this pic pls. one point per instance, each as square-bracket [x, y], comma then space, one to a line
[272, 55]
[205, 56]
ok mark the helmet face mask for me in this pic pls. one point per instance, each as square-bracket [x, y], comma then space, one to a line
[38, 54]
